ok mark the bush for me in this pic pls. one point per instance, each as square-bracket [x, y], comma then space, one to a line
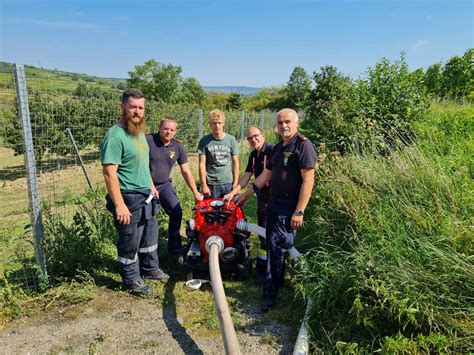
[376, 111]
[390, 100]
[391, 262]
[330, 116]
[86, 244]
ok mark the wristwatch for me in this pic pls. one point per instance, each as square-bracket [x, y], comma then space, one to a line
[299, 213]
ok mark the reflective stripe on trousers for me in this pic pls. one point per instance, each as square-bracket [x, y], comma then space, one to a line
[126, 261]
[149, 249]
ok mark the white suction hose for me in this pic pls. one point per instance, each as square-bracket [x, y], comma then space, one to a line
[301, 345]
[214, 246]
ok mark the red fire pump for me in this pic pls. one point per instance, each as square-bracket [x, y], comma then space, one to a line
[214, 219]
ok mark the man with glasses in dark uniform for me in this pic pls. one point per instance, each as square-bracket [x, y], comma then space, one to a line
[257, 161]
[291, 170]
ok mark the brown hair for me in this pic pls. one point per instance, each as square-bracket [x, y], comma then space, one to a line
[135, 93]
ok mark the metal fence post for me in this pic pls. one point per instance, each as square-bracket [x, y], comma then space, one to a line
[201, 124]
[242, 133]
[78, 154]
[30, 163]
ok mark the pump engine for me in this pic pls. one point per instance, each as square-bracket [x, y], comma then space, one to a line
[214, 220]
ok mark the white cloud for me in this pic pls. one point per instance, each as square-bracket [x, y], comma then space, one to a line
[421, 43]
[57, 24]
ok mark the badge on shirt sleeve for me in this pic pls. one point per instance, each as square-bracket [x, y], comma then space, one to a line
[171, 154]
[286, 155]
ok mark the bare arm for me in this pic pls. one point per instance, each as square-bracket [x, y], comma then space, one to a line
[202, 175]
[304, 196]
[235, 170]
[188, 177]
[260, 182]
[113, 188]
[242, 183]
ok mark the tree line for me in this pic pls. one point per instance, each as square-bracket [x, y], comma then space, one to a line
[340, 112]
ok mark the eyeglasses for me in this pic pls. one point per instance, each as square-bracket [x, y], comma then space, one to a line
[253, 137]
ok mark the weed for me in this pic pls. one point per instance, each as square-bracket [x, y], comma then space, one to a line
[269, 339]
[86, 244]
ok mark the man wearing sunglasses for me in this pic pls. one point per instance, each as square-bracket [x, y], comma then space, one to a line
[257, 162]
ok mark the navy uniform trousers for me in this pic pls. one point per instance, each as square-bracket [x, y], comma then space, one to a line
[169, 202]
[262, 257]
[137, 244]
[280, 239]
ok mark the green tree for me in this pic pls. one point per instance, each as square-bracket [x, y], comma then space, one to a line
[85, 116]
[391, 98]
[298, 88]
[192, 92]
[330, 109]
[122, 86]
[458, 75]
[157, 81]
[235, 100]
[434, 79]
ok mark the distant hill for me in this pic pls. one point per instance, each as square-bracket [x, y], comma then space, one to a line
[246, 90]
[69, 80]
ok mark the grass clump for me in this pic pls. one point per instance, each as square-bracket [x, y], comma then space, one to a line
[85, 244]
[391, 262]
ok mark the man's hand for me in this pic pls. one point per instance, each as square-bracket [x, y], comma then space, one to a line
[227, 198]
[206, 192]
[242, 200]
[154, 191]
[122, 214]
[296, 221]
[198, 196]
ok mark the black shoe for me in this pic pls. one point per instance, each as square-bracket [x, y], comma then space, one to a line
[138, 288]
[158, 274]
[267, 305]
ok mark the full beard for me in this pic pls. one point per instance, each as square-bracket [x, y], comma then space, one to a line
[134, 127]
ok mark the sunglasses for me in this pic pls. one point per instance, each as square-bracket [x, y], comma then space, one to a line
[253, 137]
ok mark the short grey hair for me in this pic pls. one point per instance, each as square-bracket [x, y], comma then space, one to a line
[287, 111]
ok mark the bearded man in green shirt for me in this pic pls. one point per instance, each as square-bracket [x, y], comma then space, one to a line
[132, 196]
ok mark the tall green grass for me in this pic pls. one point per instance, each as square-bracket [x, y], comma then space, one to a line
[390, 262]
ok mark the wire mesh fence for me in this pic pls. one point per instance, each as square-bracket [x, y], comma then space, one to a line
[67, 124]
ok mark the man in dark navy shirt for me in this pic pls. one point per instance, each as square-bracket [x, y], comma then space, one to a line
[257, 161]
[291, 170]
[165, 151]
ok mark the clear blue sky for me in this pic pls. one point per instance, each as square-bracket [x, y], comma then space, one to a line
[250, 42]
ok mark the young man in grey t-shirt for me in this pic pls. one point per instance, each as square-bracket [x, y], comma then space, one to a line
[218, 159]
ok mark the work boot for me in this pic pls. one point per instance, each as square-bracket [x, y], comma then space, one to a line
[158, 274]
[138, 288]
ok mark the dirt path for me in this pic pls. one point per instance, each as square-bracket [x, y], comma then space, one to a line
[114, 322]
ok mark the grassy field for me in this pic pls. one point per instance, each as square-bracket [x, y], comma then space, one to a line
[54, 80]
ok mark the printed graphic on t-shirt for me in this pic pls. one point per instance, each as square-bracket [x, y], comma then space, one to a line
[220, 153]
